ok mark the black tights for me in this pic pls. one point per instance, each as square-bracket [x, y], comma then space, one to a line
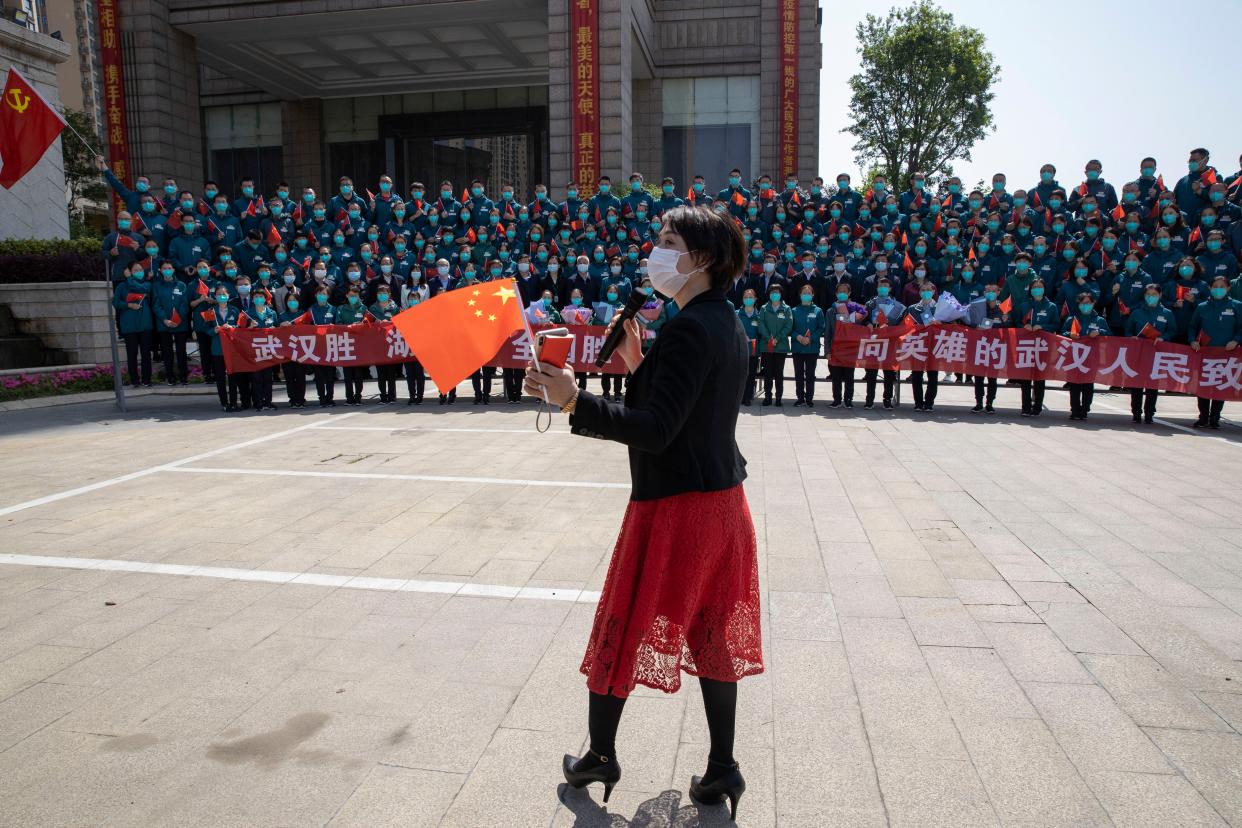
[719, 702]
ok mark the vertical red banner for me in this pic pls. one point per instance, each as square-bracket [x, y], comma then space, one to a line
[584, 75]
[116, 125]
[789, 88]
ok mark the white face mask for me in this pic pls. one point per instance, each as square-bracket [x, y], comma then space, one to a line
[662, 269]
[553, 267]
[442, 270]
[523, 267]
[583, 268]
[769, 267]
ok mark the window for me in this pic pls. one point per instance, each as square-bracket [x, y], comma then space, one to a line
[244, 140]
[264, 164]
[710, 127]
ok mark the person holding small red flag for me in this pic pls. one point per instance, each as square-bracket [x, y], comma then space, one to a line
[122, 247]
[132, 300]
[171, 309]
[1216, 323]
[1151, 320]
[1083, 321]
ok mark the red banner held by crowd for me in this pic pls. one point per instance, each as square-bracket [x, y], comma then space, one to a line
[249, 349]
[1019, 354]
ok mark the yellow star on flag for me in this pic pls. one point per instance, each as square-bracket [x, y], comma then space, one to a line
[491, 317]
[478, 313]
[505, 294]
[470, 303]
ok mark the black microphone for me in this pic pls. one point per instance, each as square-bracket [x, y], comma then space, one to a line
[632, 306]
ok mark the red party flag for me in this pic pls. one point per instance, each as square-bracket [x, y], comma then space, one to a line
[28, 126]
[1149, 332]
[455, 332]
[273, 235]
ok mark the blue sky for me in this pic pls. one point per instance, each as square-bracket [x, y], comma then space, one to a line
[1080, 79]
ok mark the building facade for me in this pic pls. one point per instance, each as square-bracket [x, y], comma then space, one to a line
[506, 91]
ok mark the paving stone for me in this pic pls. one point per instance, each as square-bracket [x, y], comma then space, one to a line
[397, 796]
[1084, 629]
[1092, 729]
[1211, 761]
[942, 622]
[926, 792]
[974, 682]
[1149, 695]
[807, 616]
[1150, 799]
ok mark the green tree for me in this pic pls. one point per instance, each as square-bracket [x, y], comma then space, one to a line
[81, 177]
[922, 98]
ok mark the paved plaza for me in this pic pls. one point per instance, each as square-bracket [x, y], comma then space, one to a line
[374, 616]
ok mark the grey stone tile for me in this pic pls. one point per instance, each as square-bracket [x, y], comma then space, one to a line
[1027, 776]
[1147, 799]
[1226, 705]
[975, 591]
[397, 796]
[975, 682]
[1084, 629]
[916, 578]
[928, 792]
[1003, 614]
[807, 616]
[35, 664]
[1211, 761]
[1149, 695]
[1093, 731]
[942, 622]
[35, 707]
[864, 596]
[451, 732]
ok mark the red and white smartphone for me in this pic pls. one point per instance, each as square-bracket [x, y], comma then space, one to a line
[552, 346]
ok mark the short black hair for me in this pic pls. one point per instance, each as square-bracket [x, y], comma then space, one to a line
[714, 238]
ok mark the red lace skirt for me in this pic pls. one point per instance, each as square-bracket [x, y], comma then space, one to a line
[682, 593]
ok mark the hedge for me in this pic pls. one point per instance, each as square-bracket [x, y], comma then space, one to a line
[50, 260]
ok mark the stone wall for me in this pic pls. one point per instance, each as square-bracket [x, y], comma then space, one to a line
[71, 316]
[35, 208]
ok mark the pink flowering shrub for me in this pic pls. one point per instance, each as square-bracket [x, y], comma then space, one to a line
[68, 381]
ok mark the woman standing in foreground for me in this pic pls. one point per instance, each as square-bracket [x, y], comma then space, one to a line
[682, 591]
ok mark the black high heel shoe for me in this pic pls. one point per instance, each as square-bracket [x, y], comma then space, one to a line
[607, 771]
[731, 785]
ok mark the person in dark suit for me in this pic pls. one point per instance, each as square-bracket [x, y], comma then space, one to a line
[698, 584]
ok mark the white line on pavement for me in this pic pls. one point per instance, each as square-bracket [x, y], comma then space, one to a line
[310, 578]
[429, 428]
[112, 481]
[432, 478]
[1170, 425]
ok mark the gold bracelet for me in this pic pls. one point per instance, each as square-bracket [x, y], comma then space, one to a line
[568, 408]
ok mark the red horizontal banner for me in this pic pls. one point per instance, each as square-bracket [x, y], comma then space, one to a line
[1019, 354]
[249, 349]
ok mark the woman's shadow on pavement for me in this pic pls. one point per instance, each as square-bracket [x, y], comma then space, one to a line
[663, 811]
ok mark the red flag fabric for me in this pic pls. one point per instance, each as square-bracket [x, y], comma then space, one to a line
[1082, 189]
[1183, 293]
[1123, 307]
[203, 209]
[175, 318]
[1075, 327]
[455, 332]
[1196, 235]
[273, 236]
[1209, 176]
[1160, 182]
[174, 220]
[250, 211]
[370, 195]
[1149, 331]
[1203, 338]
[138, 225]
[28, 126]
[207, 315]
[244, 321]
[134, 298]
[907, 265]
[1007, 305]
[881, 319]
[738, 199]
[1119, 212]
[124, 240]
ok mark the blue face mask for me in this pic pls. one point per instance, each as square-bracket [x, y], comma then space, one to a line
[1085, 308]
[1218, 293]
[1037, 293]
[1152, 301]
[926, 295]
[1186, 271]
[1080, 273]
[882, 291]
[1021, 267]
[748, 301]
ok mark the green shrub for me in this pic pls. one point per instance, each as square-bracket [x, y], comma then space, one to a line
[87, 245]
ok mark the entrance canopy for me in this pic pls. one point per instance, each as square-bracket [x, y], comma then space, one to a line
[414, 48]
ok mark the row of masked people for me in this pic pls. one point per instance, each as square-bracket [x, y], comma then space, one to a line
[804, 332]
[793, 220]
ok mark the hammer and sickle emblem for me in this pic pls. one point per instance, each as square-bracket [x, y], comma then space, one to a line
[17, 100]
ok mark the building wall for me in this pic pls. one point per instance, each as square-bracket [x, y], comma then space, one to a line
[71, 316]
[35, 208]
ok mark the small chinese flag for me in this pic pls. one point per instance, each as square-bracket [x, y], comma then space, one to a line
[139, 225]
[738, 199]
[125, 240]
[370, 195]
[1204, 339]
[907, 265]
[251, 211]
[273, 236]
[1209, 177]
[297, 214]
[175, 318]
[881, 319]
[1075, 327]
[1196, 236]
[1149, 332]
[244, 320]
[174, 220]
[202, 288]
[207, 315]
[1183, 293]
[1082, 189]
[1160, 182]
[203, 209]
[1123, 307]
[28, 126]
[304, 319]
[135, 298]
[1119, 213]
[455, 332]
[1007, 305]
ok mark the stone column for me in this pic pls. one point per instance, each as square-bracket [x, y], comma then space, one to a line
[559, 93]
[161, 75]
[36, 207]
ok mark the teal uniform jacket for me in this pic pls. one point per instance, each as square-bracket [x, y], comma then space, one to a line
[290, 316]
[750, 324]
[775, 326]
[1219, 319]
[922, 313]
[1087, 323]
[169, 298]
[130, 320]
[1041, 314]
[1197, 294]
[350, 314]
[808, 320]
[385, 312]
[226, 315]
[323, 314]
[1159, 317]
[265, 318]
[893, 310]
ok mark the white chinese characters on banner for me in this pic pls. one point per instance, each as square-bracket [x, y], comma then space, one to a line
[950, 346]
[302, 348]
[1030, 353]
[1174, 367]
[340, 347]
[912, 347]
[1072, 355]
[1120, 361]
[1221, 374]
[873, 347]
[267, 348]
[398, 348]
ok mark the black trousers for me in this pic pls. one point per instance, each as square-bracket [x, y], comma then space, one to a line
[991, 386]
[804, 376]
[773, 374]
[481, 382]
[581, 377]
[261, 388]
[1210, 410]
[172, 344]
[138, 351]
[512, 380]
[415, 380]
[1143, 402]
[241, 389]
[933, 382]
[890, 382]
[204, 356]
[216, 364]
[295, 382]
[1032, 396]
[842, 382]
[354, 380]
[752, 371]
[611, 383]
[1081, 394]
[387, 381]
[325, 382]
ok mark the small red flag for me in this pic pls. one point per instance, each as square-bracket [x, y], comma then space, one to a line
[124, 240]
[207, 315]
[1121, 306]
[370, 195]
[1196, 235]
[1149, 332]
[907, 265]
[1119, 212]
[1183, 293]
[465, 195]
[473, 236]
[1082, 190]
[1075, 327]
[250, 211]
[244, 320]
[738, 199]
[174, 318]
[297, 214]
[273, 235]
[304, 319]
[1007, 305]
[1203, 338]
[1209, 177]
[1160, 182]
[28, 126]
[139, 225]
[135, 298]
[881, 319]
[202, 288]
[1036, 202]
[174, 220]
[203, 209]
